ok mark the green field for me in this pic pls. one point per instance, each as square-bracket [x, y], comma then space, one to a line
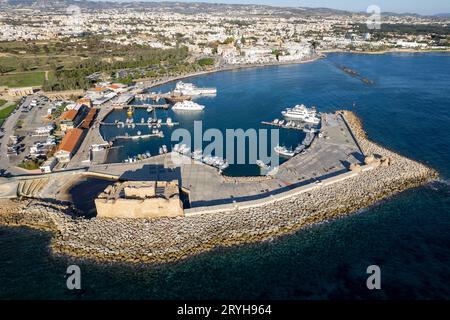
[26, 79]
[4, 113]
[2, 102]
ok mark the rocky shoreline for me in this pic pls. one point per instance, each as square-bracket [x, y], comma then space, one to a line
[164, 240]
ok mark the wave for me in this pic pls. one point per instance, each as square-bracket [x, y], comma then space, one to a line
[440, 185]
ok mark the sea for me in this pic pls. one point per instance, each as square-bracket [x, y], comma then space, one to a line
[405, 106]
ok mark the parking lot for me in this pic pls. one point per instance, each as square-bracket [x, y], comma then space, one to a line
[18, 132]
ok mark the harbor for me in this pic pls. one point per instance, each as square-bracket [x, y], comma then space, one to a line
[340, 171]
[255, 220]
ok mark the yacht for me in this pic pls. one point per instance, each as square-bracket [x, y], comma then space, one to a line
[189, 89]
[187, 106]
[301, 112]
[283, 151]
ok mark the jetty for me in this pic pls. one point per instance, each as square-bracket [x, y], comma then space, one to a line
[139, 124]
[169, 97]
[139, 137]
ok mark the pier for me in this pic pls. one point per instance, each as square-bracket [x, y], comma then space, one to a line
[145, 124]
[168, 97]
[138, 137]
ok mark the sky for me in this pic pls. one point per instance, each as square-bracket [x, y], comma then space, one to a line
[398, 6]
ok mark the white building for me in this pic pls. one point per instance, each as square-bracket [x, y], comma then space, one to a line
[47, 166]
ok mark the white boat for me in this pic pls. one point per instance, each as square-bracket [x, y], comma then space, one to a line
[224, 166]
[208, 160]
[197, 155]
[169, 122]
[189, 89]
[301, 112]
[310, 130]
[261, 164]
[184, 149]
[187, 106]
[283, 151]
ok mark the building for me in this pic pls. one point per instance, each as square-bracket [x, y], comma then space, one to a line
[89, 118]
[85, 101]
[48, 165]
[140, 199]
[69, 145]
[44, 131]
[72, 118]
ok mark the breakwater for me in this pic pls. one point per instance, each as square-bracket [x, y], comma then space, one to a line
[163, 240]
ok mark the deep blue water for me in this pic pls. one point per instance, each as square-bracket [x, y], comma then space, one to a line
[407, 109]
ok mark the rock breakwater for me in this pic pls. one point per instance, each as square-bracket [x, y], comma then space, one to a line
[163, 240]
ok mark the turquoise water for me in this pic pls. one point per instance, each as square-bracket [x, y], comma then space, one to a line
[407, 109]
